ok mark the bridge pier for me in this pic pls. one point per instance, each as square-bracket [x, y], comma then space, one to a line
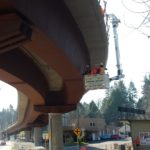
[37, 136]
[55, 131]
[28, 135]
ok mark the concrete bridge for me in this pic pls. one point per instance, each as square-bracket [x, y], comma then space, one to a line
[44, 48]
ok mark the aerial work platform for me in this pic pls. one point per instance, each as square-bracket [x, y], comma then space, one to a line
[97, 81]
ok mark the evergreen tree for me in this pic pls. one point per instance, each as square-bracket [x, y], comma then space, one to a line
[85, 110]
[7, 117]
[93, 110]
[144, 101]
[140, 104]
[105, 104]
[132, 95]
[118, 97]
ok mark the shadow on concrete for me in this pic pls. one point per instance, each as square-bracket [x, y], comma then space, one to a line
[93, 148]
[80, 148]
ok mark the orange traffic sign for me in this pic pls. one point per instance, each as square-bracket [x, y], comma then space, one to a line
[77, 131]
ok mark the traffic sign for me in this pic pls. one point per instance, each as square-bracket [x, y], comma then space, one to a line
[131, 110]
[77, 131]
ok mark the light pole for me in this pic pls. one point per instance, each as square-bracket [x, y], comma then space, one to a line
[78, 115]
[50, 130]
[78, 137]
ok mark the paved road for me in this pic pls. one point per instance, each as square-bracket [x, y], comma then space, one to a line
[80, 148]
[6, 147]
[109, 145]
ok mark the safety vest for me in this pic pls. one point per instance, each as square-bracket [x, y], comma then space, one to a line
[137, 141]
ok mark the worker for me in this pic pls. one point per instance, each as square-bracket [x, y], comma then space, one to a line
[87, 70]
[83, 148]
[95, 70]
[102, 69]
[137, 142]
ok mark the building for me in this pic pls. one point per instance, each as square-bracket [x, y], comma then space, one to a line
[91, 128]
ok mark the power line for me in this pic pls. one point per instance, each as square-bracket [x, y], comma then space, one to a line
[132, 11]
[141, 1]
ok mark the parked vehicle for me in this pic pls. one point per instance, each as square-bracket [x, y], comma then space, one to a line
[105, 137]
[2, 143]
[115, 137]
[123, 136]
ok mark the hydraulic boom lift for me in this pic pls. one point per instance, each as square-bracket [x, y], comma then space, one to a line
[115, 21]
[101, 81]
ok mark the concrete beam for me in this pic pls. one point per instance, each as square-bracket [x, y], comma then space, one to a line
[14, 32]
[54, 109]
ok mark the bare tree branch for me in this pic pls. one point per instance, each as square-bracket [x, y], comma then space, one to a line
[143, 1]
[132, 11]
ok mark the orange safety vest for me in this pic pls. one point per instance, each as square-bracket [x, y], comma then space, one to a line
[83, 148]
[137, 141]
[95, 70]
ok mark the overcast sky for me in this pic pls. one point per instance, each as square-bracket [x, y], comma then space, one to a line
[134, 46]
[8, 95]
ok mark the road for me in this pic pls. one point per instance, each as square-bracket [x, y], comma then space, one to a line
[8, 146]
[108, 145]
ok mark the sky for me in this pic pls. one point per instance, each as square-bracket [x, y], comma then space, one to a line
[134, 46]
[8, 95]
[134, 52]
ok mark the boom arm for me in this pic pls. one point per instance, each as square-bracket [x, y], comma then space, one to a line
[115, 21]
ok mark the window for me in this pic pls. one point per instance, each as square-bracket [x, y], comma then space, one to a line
[92, 124]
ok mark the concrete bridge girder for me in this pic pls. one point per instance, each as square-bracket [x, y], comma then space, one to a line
[54, 19]
[57, 44]
[91, 23]
[50, 56]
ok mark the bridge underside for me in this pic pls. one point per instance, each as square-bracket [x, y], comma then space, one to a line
[44, 49]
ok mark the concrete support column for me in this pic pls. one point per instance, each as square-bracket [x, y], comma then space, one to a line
[55, 132]
[28, 136]
[15, 136]
[37, 136]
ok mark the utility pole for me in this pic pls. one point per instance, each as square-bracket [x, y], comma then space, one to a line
[78, 136]
[78, 115]
[50, 131]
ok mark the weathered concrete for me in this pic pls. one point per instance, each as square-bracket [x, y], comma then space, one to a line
[55, 132]
[37, 136]
[28, 136]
